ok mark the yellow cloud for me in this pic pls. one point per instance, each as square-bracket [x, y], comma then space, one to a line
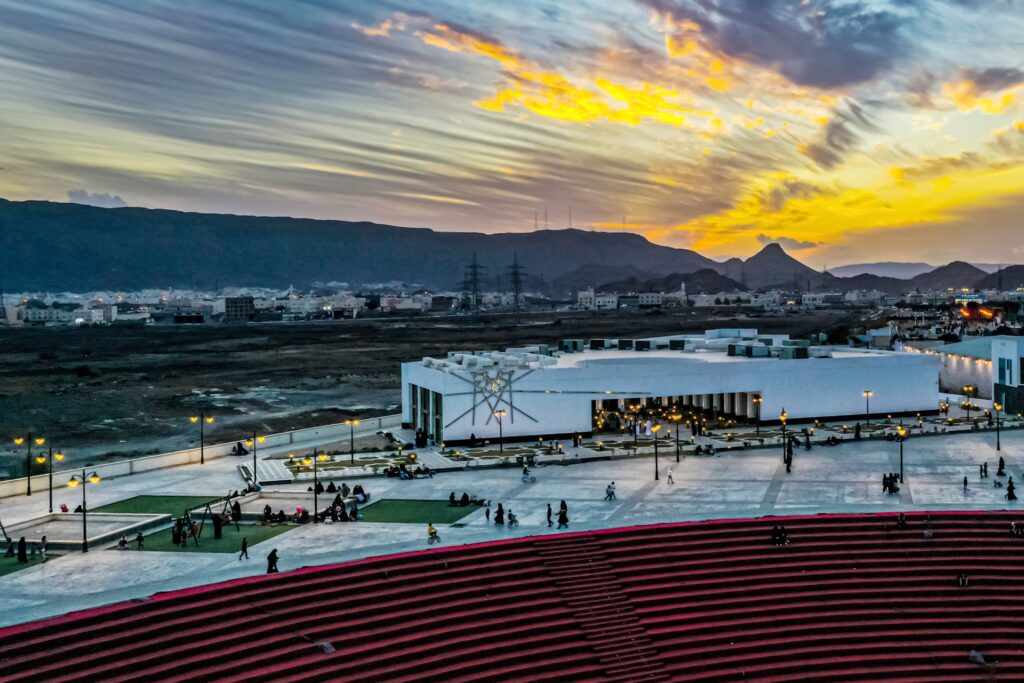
[550, 94]
[381, 30]
[436, 198]
[830, 214]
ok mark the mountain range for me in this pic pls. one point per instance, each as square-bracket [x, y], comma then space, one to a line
[47, 246]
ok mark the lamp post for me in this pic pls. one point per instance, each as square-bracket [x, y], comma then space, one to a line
[321, 457]
[202, 419]
[901, 436]
[352, 424]
[501, 435]
[867, 406]
[783, 416]
[677, 418]
[654, 430]
[58, 456]
[28, 440]
[251, 442]
[998, 408]
[969, 391]
[757, 416]
[81, 480]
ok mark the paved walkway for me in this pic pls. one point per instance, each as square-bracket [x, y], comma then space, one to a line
[845, 478]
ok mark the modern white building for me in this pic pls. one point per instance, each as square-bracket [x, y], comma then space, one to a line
[543, 392]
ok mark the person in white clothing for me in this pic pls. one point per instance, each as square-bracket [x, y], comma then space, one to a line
[670, 480]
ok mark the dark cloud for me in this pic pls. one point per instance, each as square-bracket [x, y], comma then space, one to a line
[994, 79]
[840, 135]
[818, 43]
[107, 201]
[787, 243]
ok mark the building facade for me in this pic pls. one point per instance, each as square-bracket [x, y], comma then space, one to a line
[543, 394]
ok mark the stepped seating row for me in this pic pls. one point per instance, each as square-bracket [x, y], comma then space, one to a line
[851, 598]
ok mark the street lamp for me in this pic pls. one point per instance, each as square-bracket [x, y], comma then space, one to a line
[81, 480]
[677, 418]
[251, 442]
[654, 430]
[783, 416]
[867, 406]
[352, 424]
[316, 457]
[202, 419]
[969, 391]
[757, 417]
[998, 407]
[501, 435]
[901, 436]
[58, 456]
[28, 440]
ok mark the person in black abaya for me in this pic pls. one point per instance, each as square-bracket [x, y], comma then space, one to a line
[22, 552]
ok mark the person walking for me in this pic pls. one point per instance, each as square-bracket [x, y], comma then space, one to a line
[669, 473]
[499, 515]
[42, 548]
[563, 519]
[609, 492]
[138, 541]
[1011, 490]
[550, 523]
[272, 562]
[22, 551]
[984, 471]
[965, 484]
[1002, 467]
[245, 548]
[487, 512]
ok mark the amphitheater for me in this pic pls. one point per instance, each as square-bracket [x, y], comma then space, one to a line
[851, 598]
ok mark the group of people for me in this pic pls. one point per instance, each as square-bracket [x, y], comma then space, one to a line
[704, 450]
[22, 550]
[183, 528]
[122, 543]
[465, 500]
[609, 491]
[404, 473]
[891, 483]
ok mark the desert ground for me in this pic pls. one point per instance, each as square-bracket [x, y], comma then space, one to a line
[102, 393]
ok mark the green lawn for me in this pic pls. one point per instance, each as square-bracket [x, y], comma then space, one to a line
[171, 505]
[9, 565]
[230, 543]
[414, 512]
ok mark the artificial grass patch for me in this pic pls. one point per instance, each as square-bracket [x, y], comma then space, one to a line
[9, 565]
[231, 541]
[404, 511]
[171, 505]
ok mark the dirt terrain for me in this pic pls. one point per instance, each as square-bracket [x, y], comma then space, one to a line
[110, 392]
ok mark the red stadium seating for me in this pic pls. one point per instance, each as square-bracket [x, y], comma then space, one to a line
[850, 599]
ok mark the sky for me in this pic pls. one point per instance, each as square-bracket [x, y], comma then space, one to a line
[846, 130]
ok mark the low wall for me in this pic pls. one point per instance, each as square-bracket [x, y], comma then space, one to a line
[147, 463]
[103, 528]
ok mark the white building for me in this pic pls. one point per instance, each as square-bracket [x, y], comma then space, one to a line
[544, 394]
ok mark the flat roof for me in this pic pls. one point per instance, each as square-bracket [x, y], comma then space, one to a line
[572, 360]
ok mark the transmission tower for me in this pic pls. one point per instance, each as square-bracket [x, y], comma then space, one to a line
[471, 284]
[515, 279]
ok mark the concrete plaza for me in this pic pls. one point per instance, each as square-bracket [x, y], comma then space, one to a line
[742, 483]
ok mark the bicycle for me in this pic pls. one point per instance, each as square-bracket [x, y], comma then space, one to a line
[433, 538]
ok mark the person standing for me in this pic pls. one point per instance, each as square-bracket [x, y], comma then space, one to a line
[965, 484]
[138, 541]
[42, 548]
[245, 549]
[499, 515]
[22, 551]
[669, 473]
[550, 523]
[1002, 467]
[272, 562]
[487, 512]
[1011, 490]
[563, 519]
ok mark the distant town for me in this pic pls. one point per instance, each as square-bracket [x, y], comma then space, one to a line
[938, 314]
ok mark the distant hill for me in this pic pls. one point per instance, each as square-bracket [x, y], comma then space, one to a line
[956, 274]
[890, 269]
[773, 267]
[705, 281]
[1011, 277]
[53, 246]
[592, 275]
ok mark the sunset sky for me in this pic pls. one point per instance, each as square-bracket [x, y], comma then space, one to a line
[861, 130]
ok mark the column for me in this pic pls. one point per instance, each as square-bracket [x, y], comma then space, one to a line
[728, 404]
